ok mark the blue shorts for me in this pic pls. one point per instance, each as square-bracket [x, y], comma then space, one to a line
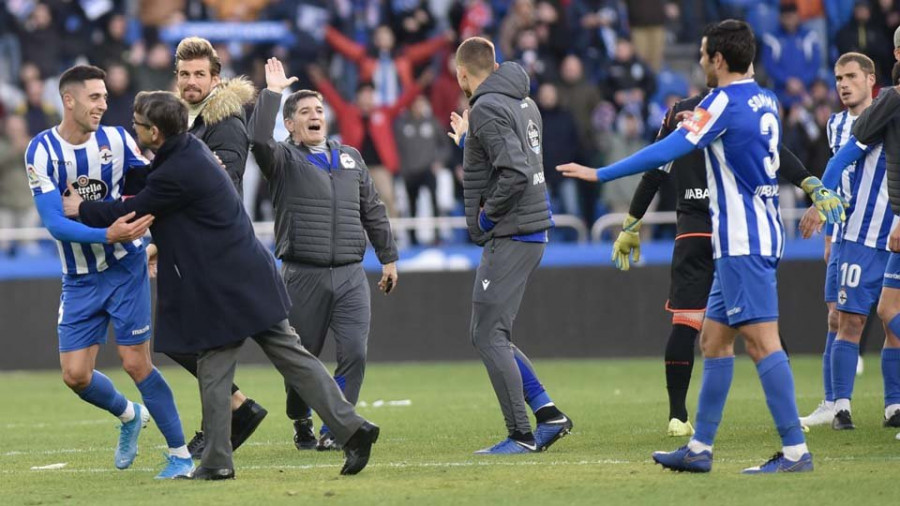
[832, 279]
[744, 291]
[121, 293]
[892, 272]
[860, 274]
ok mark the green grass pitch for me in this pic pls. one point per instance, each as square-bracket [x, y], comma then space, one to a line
[424, 455]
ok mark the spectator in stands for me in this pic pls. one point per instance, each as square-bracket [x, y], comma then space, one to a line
[580, 98]
[552, 29]
[866, 35]
[537, 60]
[120, 102]
[627, 139]
[16, 207]
[41, 40]
[560, 144]
[390, 71]
[423, 150]
[38, 113]
[647, 19]
[445, 93]
[368, 127]
[10, 49]
[112, 48]
[791, 56]
[812, 18]
[597, 25]
[519, 18]
[410, 20]
[630, 81]
[156, 73]
[471, 18]
[888, 13]
[157, 14]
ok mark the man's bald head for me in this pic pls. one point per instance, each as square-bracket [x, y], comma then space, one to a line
[475, 60]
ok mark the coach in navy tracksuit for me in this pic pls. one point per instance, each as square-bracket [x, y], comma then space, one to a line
[218, 284]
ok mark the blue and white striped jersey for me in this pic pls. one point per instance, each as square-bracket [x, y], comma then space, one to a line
[864, 185]
[96, 169]
[739, 129]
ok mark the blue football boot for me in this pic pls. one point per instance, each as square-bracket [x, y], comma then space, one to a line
[683, 459]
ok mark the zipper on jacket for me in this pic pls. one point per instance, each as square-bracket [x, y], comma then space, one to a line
[334, 211]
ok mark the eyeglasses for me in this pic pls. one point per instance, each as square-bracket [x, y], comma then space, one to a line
[138, 123]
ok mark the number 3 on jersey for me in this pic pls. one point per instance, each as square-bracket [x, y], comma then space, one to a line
[768, 125]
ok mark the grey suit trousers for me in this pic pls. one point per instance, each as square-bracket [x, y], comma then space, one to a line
[302, 370]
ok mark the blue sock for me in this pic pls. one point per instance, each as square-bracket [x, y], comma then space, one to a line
[717, 376]
[894, 325]
[890, 371]
[535, 395]
[826, 367]
[844, 355]
[102, 393]
[342, 384]
[778, 385]
[161, 403]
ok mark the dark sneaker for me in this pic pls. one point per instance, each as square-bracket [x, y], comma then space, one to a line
[780, 464]
[842, 421]
[304, 437]
[327, 442]
[244, 422]
[552, 431]
[196, 445]
[359, 448]
[894, 420]
[683, 459]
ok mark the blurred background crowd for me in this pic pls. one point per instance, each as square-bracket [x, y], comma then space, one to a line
[603, 73]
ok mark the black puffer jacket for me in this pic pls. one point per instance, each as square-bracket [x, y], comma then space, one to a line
[322, 215]
[502, 168]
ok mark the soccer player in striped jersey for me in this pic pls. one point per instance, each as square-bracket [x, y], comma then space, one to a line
[860, 260]
[738, 127]
[104, 270]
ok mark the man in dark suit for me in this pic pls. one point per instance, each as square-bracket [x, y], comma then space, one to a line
[218, 284]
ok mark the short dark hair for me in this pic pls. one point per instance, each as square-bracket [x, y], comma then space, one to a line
[163, 110]
[865, 63]
[477, 55]
[364, 85]
[78, 75]
[290, 105]
[735, 41]
[196, 48]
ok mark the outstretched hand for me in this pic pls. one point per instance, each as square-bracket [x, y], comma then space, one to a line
[276, 79]
[577, 171]
[459, 124]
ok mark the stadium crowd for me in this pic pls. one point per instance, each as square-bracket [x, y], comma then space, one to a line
[386, 69]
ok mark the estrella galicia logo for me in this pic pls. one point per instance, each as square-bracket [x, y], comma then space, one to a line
[91, 189]
[534, 137]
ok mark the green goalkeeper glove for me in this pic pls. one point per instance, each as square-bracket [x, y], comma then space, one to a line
[627, 244]
[829, 204]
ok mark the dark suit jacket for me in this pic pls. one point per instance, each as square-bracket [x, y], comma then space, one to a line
[217, 283]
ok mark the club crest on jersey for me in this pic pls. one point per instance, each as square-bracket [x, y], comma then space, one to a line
[33, 180]
[347, 161]
[534, 137]
[106, 155]
[695, 123]
[91, 189]
[842, 297]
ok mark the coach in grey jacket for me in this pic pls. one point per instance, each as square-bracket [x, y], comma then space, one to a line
[325, 205]
[508, 212]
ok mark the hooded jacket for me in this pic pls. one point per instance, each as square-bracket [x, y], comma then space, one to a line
[221, 126]
[502, 168]
[880, 123]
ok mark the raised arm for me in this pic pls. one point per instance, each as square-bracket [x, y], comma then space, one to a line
[342, 44]
[269, 154]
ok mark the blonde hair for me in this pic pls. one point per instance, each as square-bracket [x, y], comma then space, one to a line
[196, 48]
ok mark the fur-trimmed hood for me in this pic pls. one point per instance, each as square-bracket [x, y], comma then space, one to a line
[228, 100]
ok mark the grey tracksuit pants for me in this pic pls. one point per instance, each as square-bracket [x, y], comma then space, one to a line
[499, 286]
[335, 299]
[301, 370]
